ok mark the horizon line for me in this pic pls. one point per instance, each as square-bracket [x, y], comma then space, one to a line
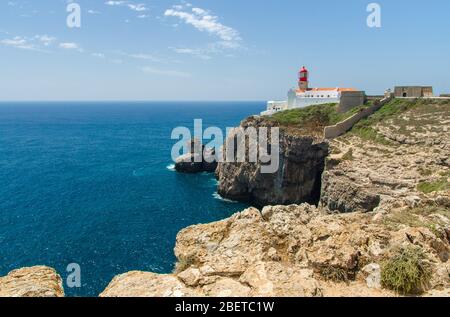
[125, 100]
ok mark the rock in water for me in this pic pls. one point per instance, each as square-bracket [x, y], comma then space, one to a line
[38, 281]
[196, 162]
[298, 179]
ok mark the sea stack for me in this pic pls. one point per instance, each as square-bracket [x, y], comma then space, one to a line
[197, 161]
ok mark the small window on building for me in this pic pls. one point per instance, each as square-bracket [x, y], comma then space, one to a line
[405, 94]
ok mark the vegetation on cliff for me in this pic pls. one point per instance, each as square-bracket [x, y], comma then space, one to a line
[313, 118]
[392, 111]
[437, 185]
[406, 272]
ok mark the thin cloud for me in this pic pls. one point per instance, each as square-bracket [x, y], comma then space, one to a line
[165, 72]
[200, 53]
[69, 46]
[138, 7]
[204, 21]
[34, 43]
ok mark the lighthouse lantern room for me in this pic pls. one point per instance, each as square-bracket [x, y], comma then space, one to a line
[303, 79]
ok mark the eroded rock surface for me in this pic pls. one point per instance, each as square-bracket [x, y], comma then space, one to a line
[296, 250]
[38, 281]
[389, 165]
[297, 180]
[199, 159]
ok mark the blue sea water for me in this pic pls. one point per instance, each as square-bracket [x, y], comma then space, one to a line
[92, 183]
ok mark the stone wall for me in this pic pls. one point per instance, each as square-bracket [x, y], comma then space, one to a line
[413, 91]
[350, 100]
[339, 129]
[374, 97]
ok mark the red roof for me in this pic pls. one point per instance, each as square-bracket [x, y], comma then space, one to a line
[328, 89]
[303, 70]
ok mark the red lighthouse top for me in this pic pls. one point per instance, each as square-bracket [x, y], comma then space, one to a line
[303, 75]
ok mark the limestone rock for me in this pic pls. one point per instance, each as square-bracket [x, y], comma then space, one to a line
[199, 159]
[226, 287]
[228, 247]
[295, 250]
[144, 284]
[274, 279]
[190, 277]
[373, 275]
[38, 281]
[297, 180]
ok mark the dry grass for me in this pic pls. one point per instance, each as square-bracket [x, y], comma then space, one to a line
[406, 271]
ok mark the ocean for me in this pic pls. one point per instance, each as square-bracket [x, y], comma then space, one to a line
[94, 184]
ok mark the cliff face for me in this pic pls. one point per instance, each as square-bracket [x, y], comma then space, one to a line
[301, 163]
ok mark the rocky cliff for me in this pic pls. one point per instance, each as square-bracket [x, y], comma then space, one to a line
[296, 250]
[38, 281]
[399, 154]
[199, 159]
[301, 163]
[382, 227]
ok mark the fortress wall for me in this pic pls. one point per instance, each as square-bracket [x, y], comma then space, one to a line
[339, 129]
[375, 97]
[350, 100]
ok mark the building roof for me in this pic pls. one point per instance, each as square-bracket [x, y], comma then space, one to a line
[327, 89]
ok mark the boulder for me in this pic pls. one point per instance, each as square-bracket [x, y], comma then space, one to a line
[144, 284]
[372, 274]
[37, 281]
[200, 159]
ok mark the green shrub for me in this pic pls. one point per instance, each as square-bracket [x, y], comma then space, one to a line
[184, 263]
[334, 274]
[406, 272]
[436, 186]
[318, 114]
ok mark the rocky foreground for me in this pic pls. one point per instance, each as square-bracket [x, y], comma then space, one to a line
[292, 251]
[381, 226]
[38, 281]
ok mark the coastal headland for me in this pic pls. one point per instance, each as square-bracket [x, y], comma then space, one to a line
[364, 214]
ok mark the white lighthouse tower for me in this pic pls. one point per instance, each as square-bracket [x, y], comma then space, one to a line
[303, 79]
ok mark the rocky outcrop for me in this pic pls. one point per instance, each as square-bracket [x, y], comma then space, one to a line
[143, 284]
[288, 251]
[388, 165]
[297, 180]
[38, 281]
[196, 162]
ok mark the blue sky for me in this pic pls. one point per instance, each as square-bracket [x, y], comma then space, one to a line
[217, 49]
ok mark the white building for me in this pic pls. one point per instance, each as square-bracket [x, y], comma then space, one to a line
[304, 96]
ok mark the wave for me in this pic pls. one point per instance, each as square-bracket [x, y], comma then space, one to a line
[217, 196]
[214, 181]
[171, 167]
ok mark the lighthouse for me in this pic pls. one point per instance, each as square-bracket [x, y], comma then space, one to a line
[303, 79]
[304, 96]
